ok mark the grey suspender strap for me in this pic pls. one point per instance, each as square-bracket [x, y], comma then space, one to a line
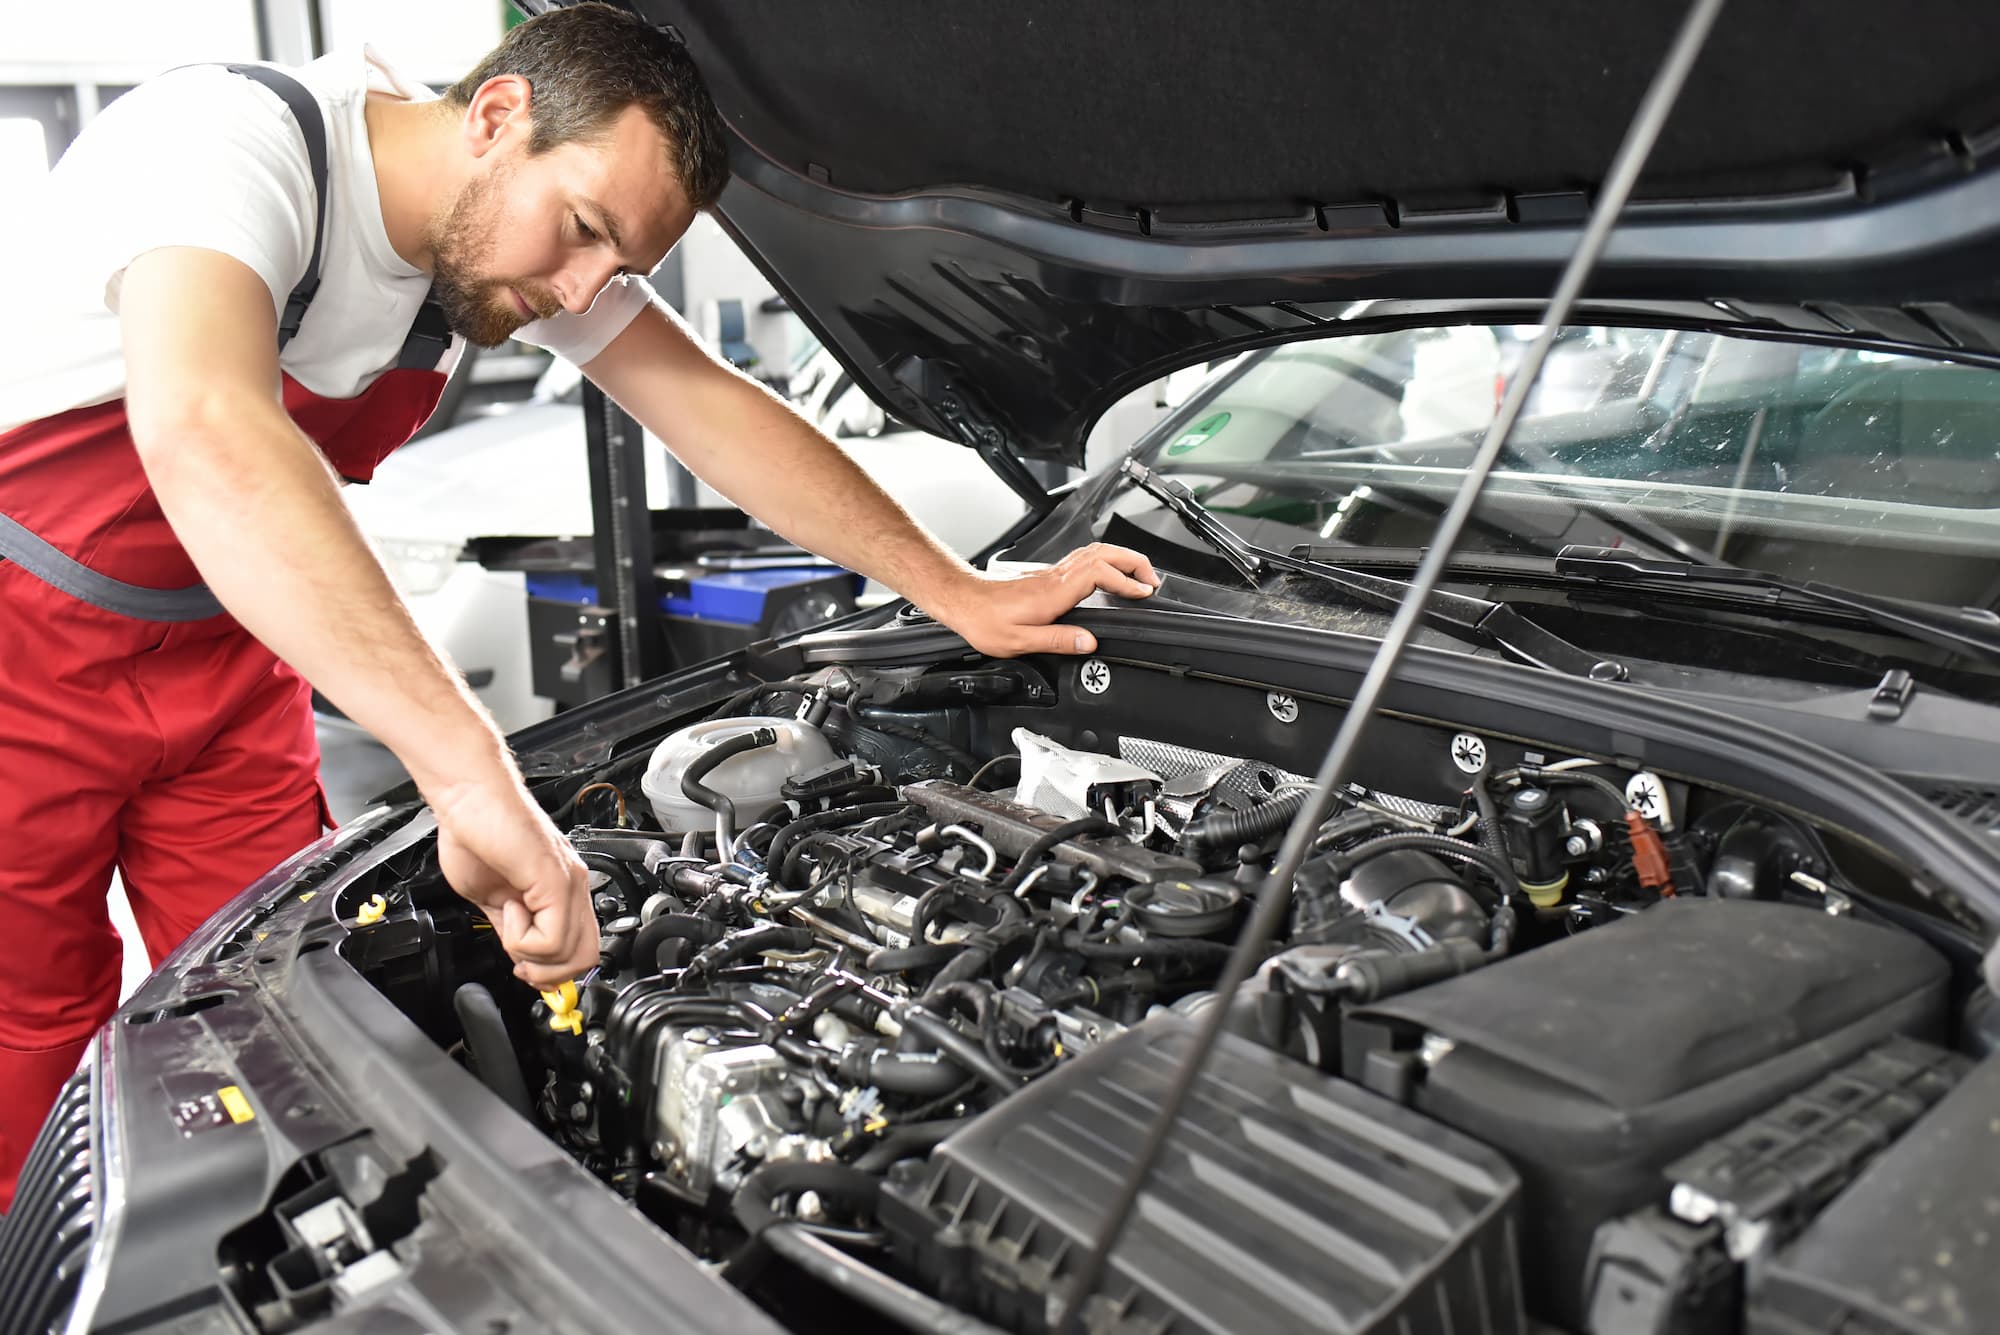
[52, 567]
[305, 110]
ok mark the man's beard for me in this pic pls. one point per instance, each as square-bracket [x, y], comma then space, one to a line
[462, 243]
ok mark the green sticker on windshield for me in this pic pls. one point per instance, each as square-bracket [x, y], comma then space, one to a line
[1199, 432]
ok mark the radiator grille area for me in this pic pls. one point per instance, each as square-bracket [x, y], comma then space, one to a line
[45, 1237]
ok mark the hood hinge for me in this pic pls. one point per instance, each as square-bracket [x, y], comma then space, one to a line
[936, 383]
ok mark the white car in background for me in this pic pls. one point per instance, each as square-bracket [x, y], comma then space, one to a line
[521, 470]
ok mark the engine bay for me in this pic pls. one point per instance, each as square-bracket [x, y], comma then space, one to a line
[895, 962]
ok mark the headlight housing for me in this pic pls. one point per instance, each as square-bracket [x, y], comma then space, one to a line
[419, 565]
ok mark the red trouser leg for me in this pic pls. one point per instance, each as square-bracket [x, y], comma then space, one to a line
[247, 798]
[190, 762]
[71, 736]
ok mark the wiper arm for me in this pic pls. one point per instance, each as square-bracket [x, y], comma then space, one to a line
[1959, 630]
[1478, 620]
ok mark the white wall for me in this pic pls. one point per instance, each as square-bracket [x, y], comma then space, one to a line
[435, 41]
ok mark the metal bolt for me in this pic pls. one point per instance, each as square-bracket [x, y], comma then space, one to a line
[1283, 707]
[1095, 676]
[1576, 846]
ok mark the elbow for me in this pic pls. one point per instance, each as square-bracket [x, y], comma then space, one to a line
[183, 421]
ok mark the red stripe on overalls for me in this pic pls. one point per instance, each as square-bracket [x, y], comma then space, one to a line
[181, 754]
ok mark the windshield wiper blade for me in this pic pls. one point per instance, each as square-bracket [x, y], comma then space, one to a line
[1479, 620]
[1967, 630]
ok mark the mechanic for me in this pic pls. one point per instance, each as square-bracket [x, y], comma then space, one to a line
[180, 400]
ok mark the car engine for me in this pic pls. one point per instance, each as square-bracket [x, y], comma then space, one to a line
[895, 964]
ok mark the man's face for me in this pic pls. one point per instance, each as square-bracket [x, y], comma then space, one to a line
[530, 235]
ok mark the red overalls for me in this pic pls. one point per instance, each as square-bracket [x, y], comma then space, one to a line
[180, 753]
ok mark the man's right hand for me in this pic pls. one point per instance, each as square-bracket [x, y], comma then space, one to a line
[500, 851]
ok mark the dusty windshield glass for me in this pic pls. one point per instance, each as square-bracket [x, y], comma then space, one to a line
[1866, 469]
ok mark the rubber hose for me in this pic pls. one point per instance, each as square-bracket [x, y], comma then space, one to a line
[923, 1074]
[821, 820]
[903, 1141]
[971, 962]
[927, 907]
[702, 932]
[909, 958]
[967, 1052]
[1444, 846]
[750, 941]
[702, 765]
[1152, 948]
[1578, 779]
[1491, 837]
[1230, 828]
[855, 1278]
[1046, 840]
[753, 1202]
[492, 1051]
[621, 876]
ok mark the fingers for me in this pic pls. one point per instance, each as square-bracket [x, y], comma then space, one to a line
[1129, 563]
[1116, 570]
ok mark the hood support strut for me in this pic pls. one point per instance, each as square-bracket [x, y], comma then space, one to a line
[937, 384]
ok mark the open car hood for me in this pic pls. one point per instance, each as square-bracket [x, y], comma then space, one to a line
[1004, 217]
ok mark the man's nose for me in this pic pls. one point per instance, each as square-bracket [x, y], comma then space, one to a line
[578, 285]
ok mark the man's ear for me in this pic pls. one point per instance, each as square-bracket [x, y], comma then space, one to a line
[498, 112]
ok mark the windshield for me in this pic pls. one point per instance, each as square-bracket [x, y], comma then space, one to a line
[1866, 469]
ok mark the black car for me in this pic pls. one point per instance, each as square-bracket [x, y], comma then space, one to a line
[1640, 980]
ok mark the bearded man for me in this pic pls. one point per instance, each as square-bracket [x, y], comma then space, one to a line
[250, 284]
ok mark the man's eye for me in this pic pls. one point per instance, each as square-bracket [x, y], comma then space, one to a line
[583, 228]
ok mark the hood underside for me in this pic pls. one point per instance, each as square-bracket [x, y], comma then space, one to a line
[1002, 217]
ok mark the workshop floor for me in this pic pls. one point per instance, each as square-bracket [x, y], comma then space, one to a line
[353, 768]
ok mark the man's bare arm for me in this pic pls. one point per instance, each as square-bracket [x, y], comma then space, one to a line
[258, 509]
[753, 448]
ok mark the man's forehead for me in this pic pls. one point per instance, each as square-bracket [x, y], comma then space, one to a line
[626, 179]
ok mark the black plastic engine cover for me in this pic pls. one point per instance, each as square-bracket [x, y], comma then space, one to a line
[1910, 1247]
[1593, 1062]
[1286, 1200]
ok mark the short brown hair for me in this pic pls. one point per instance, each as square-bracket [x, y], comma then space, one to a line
[586, 63]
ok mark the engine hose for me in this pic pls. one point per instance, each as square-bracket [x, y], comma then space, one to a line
[905, 1140]
[909, 959]
[967, 1052]
[1491, 837]
[922, 1074]
[492, 1052]
[750, 941]
[1032, 855]
[621, 876]
[971, 962]
[754, 1202]
[1227, 829]
[809, 1006]
[700, 932]
[1575, 779]
[821, 820]
[1163, 948]
[702, 765]
[856, 1279]
[1091, 991]
[927, 907]
[1444, 846]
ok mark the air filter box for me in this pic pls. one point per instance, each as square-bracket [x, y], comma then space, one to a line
[1286, 1200]
[1594, 1062]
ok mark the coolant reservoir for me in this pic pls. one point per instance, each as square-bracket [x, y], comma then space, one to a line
[750, 780]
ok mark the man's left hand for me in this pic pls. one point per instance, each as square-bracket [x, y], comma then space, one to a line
[1009, 615]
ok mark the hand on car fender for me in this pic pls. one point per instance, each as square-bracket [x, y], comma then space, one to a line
[499, 850]
[1009, 615]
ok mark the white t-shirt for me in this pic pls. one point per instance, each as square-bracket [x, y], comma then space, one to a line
[205, 157]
